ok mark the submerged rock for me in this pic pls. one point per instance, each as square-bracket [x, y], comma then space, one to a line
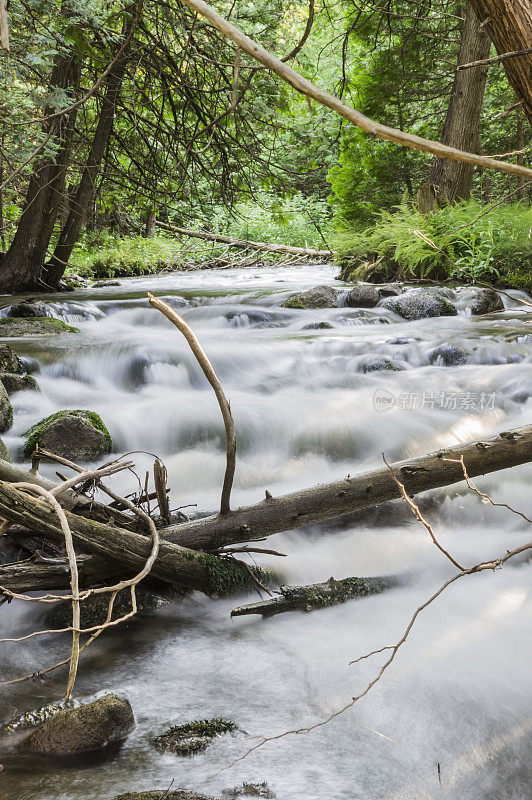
[9, 361]
[250, 790]
[94, 608]
[418, 305]
[76, 435]
[193, 737]
[449, 355]
[6, 410]
[28, 308]
[362, 297]
[316, 326]
[317, 297]
[18, 383]
[93, 726]
[33, 326]
[379, 363]
[486, 301]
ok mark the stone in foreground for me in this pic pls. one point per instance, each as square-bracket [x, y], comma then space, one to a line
[193, 737]
[6, 410]
[94, 726]
[419, 305]
[486, 301]
[28, 308]
[362, 297]
[76, 435]
[317, 297]
[18, 383]
[9, 361]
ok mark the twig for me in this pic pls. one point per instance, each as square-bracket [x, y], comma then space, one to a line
[503, 57]
[208, 371]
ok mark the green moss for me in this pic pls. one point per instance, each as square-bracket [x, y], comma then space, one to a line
[33, 326]
[33, 435]
[192, 737]
[227, 576]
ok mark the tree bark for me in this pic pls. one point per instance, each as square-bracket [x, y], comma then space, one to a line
[450, 181]
[508, 23]
[331, 500]
[54, 574]
[21, 267]
[84, 195]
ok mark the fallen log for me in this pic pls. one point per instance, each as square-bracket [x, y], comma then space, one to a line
[85, 506]
[327, 501]
[175, 564]
[247, 244]
[316, 595]
[53, 574]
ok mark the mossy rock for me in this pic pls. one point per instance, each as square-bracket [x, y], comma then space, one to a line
[6, 410]
[192, 737]
[9, 361]
[317, 297]
[73, 434]
[318, 326]
[486, 301]
[18, 327]
[4, 452]
[94, 726]
[250, 790]
[18, 383]
[379, 364]
[28, 309]
[94, 608]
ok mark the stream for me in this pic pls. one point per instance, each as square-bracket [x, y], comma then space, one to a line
[459, 692]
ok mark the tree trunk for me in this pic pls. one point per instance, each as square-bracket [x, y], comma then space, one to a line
[83, 197]
[450, 181]
[21, 267]
[331, 500]
[508, 23]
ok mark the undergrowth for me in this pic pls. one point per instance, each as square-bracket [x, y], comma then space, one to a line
[453, 242]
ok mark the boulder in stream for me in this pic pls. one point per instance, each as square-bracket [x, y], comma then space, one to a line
[76, 435]
[486, 301]
[192, 737]
[4, 452]
[250, 790]
[28, 308]
[94, 726]
[18, 383]
[362, 297]
[449, 355]
[33, 326]
[163, 794]
[9, 361]
[317, 326]
[378, 364]
[418, 305]
[6, 410]
[317, 297]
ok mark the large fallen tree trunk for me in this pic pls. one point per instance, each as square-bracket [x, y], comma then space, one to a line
[316, 595]
[175, 565]
[245, 243]
[54, 574]
[327, 501]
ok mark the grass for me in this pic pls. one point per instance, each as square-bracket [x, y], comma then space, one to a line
[454, 243]
[296, 221]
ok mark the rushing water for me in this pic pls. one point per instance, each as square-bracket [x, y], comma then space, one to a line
[459, 692]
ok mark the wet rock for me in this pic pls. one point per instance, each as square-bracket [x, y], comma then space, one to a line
[18, 383]
[362, 297]
[158, 794]
[193, 737]
[317, 297]
[6, 410]
[28, 308]
[76, 435]
[379, 363]
[418, 305]
[316, 326]
[33, 326]
[4, 452]
[101, 284]
[486, 301]
[449, 355]
[9, 361]
[94, 609]
[250, 790]
[93, 726]
[390, 290]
